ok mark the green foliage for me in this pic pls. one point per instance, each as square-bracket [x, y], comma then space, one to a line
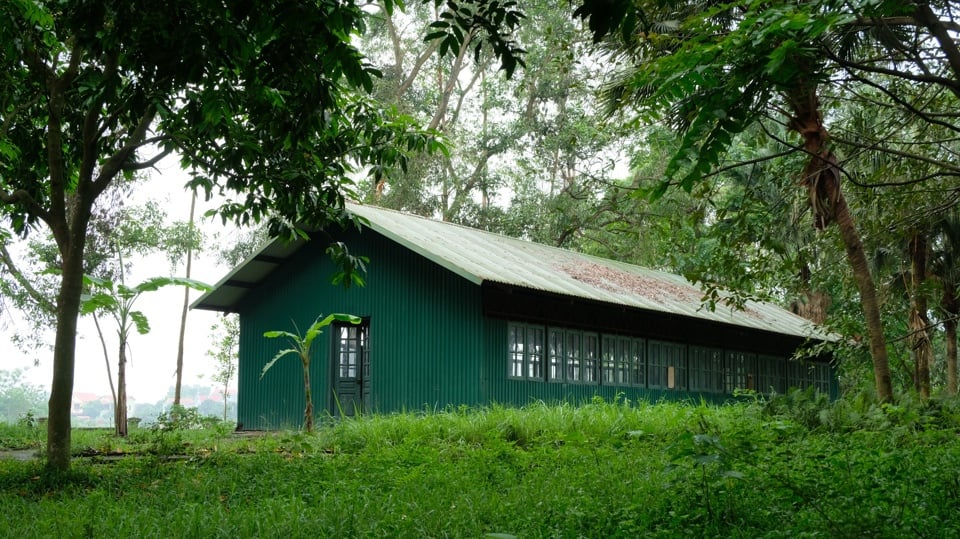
[118, 299]
[20, 399]
[224, 354]
[182, 418]
[300, 344]
[605, 469]
[497, 20]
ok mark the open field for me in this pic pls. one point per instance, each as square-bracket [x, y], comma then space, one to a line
[796, 467]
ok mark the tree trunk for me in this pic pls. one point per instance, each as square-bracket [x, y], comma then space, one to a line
[308, 411]
[64, 349]
[183, 312]
[821, 177]
[120, 412]
[812, 304]
[106, 358]
[868, 301]
[919, 321]
[952, 310]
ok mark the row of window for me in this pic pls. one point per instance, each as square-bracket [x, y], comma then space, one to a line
[572, 356]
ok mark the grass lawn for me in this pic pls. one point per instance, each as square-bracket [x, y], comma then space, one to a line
[796, 467]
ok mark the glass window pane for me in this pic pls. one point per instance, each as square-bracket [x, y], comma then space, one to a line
[515, 343]
[534, 351]
[556, 355]
[573, 356]
[591, 358]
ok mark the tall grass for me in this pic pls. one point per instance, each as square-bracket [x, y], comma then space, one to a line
[788, 468]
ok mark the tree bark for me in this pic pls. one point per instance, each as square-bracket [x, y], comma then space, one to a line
[120, 412]
[952, 309]
[308, 410]
[821, 177]
[868, 301]
[183, 311]
[812, 304]
[919, 321]
[61, 388]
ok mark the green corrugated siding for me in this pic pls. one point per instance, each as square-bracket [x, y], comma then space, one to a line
[424, 347]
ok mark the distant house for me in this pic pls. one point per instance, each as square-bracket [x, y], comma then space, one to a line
[457, 316]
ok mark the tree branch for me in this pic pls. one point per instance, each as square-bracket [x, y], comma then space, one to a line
[115, 163]
[946, 167]
[90, 135]
[952, 84]
[148, 163]
[417, 66]
[22, 196]
[42, 301]
[903, 103]
[925, 16]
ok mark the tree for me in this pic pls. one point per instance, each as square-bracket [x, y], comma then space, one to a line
[183, 239]
[300, 346]
[260, 100]
[224, 353]
[533, 138]
[119, 300]
[18, 397]
[713, 71]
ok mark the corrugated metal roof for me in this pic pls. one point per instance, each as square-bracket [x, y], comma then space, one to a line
[480, 256]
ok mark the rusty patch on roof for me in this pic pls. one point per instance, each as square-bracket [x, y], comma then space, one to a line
[617, 281]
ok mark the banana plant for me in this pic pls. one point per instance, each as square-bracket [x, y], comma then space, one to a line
[300, 346]
[118, 300]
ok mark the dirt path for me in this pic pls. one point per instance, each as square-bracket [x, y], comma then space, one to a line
[18, 454]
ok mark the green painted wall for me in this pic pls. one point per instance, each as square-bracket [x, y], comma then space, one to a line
[425, 350]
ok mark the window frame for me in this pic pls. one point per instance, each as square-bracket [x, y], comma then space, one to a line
[710, 376]
[522, 358]
[556, 354]
[674, 360]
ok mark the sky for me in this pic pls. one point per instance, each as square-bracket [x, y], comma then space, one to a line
[153, 357]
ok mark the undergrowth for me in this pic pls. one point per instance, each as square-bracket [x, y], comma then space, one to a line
[791, 466]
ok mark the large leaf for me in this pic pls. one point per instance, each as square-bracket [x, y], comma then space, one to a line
[90, 303]
[317, 327]
[155, 283]
[140, 321]
[279, 355]
[274, 334]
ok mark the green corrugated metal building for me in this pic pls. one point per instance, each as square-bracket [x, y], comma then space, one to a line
[457, 316]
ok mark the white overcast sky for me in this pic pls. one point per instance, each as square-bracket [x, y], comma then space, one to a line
[152, 365]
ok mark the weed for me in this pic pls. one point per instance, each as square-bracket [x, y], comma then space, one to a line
[793, 467]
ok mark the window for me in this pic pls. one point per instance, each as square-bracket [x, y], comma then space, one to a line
[622, 361]
[564, 355]
[667, 365]
[555, 351]
[534, 351]
[516, 351]
[349, 343]
[525, 344]
[573, 356]
[611, 362]
[638, 362]
[591, 358]
[740, 371]
[771, 374]
[795, 374]
[821, 377]
[706, 369]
